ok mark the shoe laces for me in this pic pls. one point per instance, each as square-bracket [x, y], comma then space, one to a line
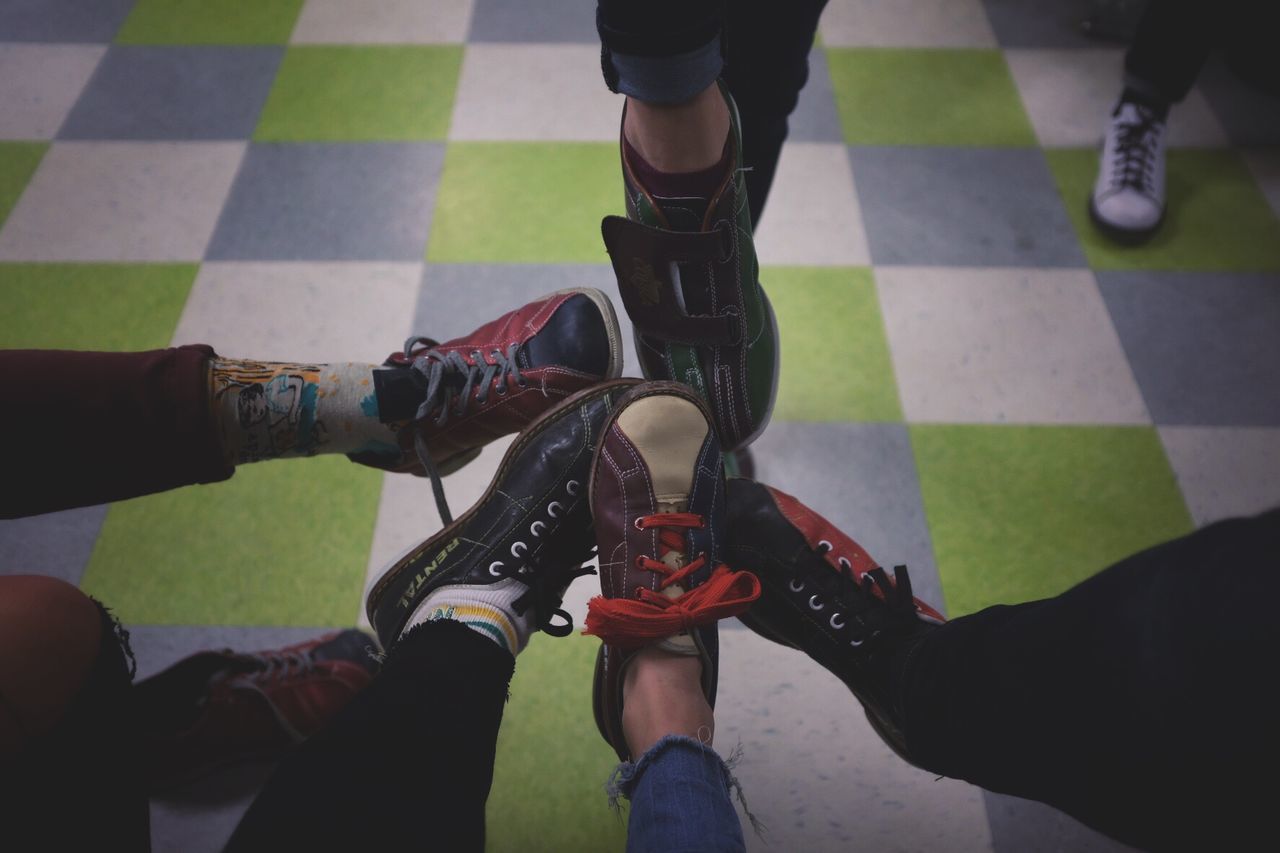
[546, 571]
[451, 379]
[1134, 156]
[655, 615]
[278, 667]
[866, 605]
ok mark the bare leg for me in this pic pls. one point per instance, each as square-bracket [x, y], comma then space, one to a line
[662, 695]
[681, 137]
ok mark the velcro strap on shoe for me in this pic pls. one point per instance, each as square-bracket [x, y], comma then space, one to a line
[643, 259]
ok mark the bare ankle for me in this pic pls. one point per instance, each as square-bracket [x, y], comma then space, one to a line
[662, 695]
[681, 137]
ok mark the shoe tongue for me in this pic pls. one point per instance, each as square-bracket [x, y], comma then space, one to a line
[680, 644]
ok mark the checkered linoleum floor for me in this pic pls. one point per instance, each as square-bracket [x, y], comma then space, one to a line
[973, 382]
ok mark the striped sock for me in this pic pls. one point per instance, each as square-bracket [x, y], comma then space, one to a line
[487, 610]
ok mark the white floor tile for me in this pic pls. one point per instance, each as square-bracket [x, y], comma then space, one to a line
[534, 92]
[39, 83]
[813, 217]
[1225, 472]
[382, 22]
[122, 201]
[1005, 346]
[1069, 95]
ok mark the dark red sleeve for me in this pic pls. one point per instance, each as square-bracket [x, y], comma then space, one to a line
[81, 428]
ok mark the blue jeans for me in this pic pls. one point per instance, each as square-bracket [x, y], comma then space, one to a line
[679, 793]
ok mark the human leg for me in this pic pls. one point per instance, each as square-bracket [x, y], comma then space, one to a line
[657, 498]
[99, 427]
[684, 257]
[1114, 701]
[68, 771]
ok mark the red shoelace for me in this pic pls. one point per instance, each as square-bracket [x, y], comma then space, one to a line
[631, 622]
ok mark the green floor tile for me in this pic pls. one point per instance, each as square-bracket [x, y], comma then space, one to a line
[1021, 513]
[210, 22]
[525, 202]
[362, 94]
[280, 543]
[92, 306]
[927, 97]
[551, 767]
[18, 161]
[1217, 217]
[835, 359]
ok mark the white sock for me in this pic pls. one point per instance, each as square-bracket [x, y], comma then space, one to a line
[488, 610]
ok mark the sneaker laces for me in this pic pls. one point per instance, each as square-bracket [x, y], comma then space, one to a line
[276, 667]
[871, 600]
[653, 615]
[546, 581]
[451, 377]
[1135, 152]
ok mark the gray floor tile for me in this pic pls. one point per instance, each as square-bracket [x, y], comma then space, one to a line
[554, 21]
[57, 543]
[815, 118]
[1250, 115]
[175, 93]
[861, 478]
[1026, 826]
[1044, 23]
[1203, 346]
[200, 816]
[330, 201]
[962, 207]
[62, 20]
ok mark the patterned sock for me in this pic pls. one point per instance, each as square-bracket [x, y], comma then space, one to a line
[269, 410]
[487, 610]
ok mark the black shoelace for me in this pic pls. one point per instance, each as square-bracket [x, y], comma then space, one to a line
[1135, 151]
[450, 382]
[855, 601]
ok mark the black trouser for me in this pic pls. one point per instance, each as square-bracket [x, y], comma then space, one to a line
[407, 765]
[79, 787]
[1171, 45]
[765, 46]
[1142, 701]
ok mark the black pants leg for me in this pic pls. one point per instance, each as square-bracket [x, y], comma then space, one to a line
[765, 47]
[406, 766]
[1172, 43]
[79, 787]
[1142, 701]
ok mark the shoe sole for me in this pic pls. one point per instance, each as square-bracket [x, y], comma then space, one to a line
[1124, 236]
[379, 585]
[645, 389]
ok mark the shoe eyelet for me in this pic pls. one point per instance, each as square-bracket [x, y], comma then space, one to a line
[493, 568]
[845, 564]
[824, 546]
[796, 585]
[523, 549]
[639, 562]
[639, 591]
[502, 390]
[832, 621]
[637, 521]
[554, 508]
[814, 604]
[572, 487]
[856, 643]
[536, 528]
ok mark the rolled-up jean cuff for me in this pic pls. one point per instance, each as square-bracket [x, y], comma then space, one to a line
[665, 79]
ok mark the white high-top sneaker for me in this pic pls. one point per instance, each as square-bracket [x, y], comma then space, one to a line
[1127, 203]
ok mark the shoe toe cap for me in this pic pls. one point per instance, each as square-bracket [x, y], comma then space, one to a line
[1128, 210]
